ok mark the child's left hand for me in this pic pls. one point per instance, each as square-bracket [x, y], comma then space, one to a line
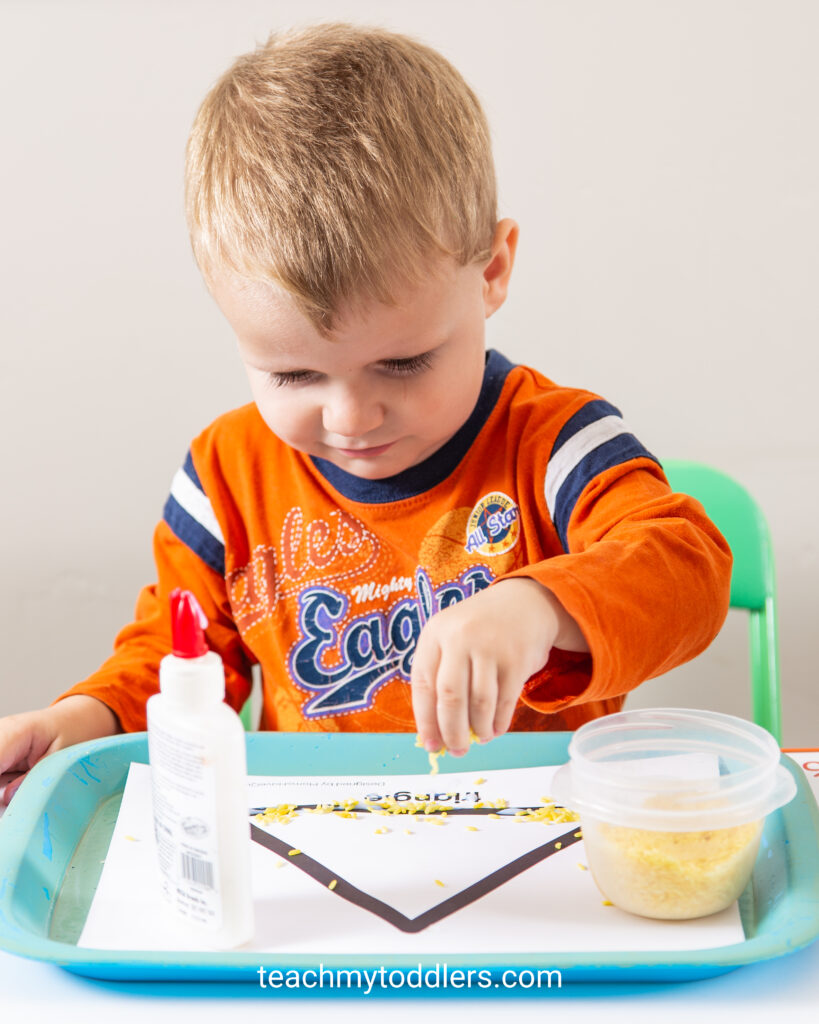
[473, 658]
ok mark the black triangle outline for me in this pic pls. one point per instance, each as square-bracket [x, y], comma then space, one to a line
[347, 891]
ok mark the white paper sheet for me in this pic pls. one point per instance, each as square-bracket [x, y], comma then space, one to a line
[551, 906]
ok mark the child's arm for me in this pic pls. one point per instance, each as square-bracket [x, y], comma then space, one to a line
[189, 552]
[113, 698]
[28, 737]
[644, 583]
[131, 675]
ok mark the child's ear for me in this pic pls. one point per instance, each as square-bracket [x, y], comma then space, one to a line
[498, 270]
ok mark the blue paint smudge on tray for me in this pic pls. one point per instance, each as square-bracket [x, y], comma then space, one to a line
[85, 761]
[47, 848]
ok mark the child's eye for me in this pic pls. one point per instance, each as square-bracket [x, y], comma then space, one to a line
[414, 364]
[395, 367]
[290, 377]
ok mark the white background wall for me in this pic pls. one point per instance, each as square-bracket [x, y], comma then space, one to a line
[661, 156]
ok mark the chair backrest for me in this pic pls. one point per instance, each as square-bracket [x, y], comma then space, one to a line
[740, 520]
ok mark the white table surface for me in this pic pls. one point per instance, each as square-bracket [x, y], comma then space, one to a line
[781, 990]
[785, 989]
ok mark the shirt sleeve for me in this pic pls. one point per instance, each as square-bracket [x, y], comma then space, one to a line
[189, 553]
[644, 572]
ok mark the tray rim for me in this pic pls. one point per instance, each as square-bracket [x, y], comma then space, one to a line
[22, 819]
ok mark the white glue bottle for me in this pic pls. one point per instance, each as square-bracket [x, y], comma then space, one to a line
[196, 747]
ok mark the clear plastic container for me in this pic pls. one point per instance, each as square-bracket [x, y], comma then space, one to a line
[672, 803]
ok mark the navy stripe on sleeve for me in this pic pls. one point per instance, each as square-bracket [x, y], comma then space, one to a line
[611, 453]
[189, 513]
[593, 440]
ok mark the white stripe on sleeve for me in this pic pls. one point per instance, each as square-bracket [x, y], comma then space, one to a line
[196, 503]
[575, 450]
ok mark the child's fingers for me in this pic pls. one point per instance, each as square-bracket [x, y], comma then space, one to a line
[19, 747]
[424, 697]
[452, 689]
[483, 697]
[10, 782]
[508, 693]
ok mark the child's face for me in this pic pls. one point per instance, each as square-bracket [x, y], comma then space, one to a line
[386, 389]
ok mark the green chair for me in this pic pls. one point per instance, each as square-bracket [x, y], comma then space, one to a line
[743, 525]
[246, 715]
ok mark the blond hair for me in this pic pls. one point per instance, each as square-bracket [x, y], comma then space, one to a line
[334, 162]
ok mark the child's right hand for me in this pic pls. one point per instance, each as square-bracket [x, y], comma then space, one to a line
[28, 737]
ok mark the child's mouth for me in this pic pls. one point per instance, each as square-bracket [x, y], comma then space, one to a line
[366, 453]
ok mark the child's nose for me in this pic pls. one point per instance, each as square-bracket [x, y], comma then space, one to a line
[352, 413]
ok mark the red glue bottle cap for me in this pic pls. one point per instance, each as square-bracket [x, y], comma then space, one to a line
[188, 623]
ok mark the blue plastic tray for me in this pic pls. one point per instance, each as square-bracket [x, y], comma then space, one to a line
[56, 833]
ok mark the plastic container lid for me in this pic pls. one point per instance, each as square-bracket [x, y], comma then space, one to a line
[673, 769]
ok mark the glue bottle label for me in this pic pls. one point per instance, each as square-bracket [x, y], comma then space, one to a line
[183, 786]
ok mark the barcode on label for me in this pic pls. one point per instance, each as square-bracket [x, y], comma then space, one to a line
[198, 871]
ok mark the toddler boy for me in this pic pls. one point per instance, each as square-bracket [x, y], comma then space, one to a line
[403, 531]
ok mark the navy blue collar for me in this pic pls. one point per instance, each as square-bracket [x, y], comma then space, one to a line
[429, 473]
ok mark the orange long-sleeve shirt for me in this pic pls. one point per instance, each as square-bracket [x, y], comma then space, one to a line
[325, 579]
